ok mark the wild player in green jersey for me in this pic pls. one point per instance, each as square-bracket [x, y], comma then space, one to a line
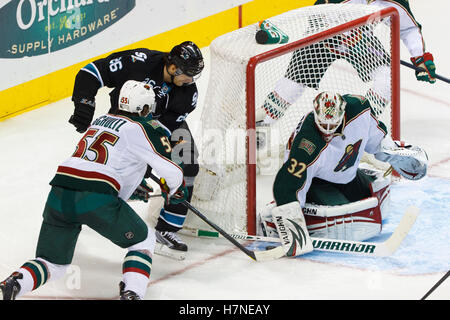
[322, 165]
[91, 188]
[303, 72]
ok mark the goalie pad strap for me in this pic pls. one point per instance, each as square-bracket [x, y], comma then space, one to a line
[339, 210]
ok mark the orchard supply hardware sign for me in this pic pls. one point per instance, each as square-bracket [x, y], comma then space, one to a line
[35, 27]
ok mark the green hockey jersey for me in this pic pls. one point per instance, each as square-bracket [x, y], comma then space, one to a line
[336, 161]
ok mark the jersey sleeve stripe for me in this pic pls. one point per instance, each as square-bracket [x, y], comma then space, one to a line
[92, 69]
[88, 175]
[380, 125]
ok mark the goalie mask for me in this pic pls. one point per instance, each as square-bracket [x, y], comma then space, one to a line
[329, 110]
[135, 95]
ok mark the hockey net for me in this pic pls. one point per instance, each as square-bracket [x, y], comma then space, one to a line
[343, 48]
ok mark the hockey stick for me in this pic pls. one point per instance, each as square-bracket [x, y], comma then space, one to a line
[375, 249]
[436, 285]
[409, 65]
[270, 254]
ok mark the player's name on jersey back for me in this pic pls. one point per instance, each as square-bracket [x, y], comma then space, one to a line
[109, 122]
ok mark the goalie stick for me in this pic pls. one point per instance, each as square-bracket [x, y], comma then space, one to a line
[270, 254]
[374, 249]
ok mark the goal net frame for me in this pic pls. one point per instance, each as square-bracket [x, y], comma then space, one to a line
[391, 13]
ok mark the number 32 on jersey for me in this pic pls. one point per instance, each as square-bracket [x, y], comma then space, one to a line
[296, 168]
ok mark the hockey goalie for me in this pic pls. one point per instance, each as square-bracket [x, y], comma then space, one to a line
[322, 190]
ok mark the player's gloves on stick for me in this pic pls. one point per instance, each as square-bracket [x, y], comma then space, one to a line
[83, 114]
[142, 192]
[179, 196]
[425, 62]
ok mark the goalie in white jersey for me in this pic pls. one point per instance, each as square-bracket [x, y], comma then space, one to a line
[92, 188]
[321, 169]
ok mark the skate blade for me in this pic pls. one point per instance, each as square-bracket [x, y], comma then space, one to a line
[163, 250]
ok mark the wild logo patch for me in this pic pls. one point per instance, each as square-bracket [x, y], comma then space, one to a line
[307, 145]
[349, 157]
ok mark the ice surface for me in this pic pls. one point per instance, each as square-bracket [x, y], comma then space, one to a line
[34, 143]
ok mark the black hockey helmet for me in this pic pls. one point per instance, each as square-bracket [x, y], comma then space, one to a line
[187, 57]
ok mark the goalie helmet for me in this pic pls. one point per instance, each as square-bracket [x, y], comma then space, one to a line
[329, 110]
[135, 95]
[188, 59]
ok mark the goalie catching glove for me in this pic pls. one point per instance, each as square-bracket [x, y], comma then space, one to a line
[409, 161]
[179, 196]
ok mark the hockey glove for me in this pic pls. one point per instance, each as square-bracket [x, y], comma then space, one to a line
[142, 192]
[178, 197]
[409, 161]
[425, 62]
[83, 114]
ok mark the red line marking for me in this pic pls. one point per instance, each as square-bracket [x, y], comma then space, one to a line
[168, 276]
[440, 162]
[445, 103]
[192, 266]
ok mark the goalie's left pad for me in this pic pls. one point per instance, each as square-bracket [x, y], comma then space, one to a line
[291, 227]
[409, 161]
[356, 221]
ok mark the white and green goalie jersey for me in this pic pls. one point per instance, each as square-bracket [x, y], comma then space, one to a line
[336, 161]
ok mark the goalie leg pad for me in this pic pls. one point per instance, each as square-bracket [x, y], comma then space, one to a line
[264, 223]
[357, 221]
[291, 228]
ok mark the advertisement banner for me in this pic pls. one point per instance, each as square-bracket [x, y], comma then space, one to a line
[33, 28]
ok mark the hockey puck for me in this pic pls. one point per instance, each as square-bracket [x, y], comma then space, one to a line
[261, 37]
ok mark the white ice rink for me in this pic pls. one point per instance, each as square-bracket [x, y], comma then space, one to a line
[34, 143]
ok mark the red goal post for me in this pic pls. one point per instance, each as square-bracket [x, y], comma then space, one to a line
[250, 89]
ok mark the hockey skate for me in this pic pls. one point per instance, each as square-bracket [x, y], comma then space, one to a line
[10, 287]
[127, 295]
[170, 245]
